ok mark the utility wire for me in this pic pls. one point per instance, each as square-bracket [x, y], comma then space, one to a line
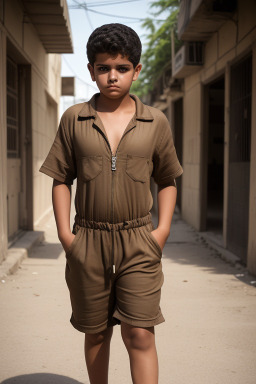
[103, 3]
[79, 78]
[84, 6]
[107, 14]
[86, 13]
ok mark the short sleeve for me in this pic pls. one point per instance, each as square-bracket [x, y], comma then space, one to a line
[60, 162]
[166, 166]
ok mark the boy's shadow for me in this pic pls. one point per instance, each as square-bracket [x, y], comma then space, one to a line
[40, 378]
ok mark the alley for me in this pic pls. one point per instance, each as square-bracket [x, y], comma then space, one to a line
[209, 335]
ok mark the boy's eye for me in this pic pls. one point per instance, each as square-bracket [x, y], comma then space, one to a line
[123, 69]
[103, 69]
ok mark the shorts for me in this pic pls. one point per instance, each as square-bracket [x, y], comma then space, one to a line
[114, 274]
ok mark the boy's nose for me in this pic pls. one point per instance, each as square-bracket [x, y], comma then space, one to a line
[112, 76]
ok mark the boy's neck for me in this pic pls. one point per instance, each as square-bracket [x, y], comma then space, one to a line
[104, 104]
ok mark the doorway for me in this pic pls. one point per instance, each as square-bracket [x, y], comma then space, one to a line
[239, 157]
[19, 147]
[178, 140]
[215, 159]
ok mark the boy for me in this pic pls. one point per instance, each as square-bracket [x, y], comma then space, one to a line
[112, 145]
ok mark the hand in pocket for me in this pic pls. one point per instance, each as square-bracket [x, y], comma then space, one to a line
[160, 237]
[67, 241]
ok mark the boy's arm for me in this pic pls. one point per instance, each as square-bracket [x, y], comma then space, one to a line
[166, 204]
[61, 200]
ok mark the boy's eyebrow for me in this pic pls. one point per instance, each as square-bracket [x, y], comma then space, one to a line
[118, 65]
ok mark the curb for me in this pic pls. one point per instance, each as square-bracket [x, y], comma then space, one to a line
[223, 253]
[19, 251]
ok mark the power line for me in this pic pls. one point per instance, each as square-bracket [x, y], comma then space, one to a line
[105, 3]
[107, 14]
[84, 6]
[79, 78]
[86, 13]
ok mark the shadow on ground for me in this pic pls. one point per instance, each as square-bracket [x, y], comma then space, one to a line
[206, 258]
[40, 378]
[46, 250]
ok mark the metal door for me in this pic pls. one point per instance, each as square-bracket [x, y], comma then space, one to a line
[239, 157]
[13, 149]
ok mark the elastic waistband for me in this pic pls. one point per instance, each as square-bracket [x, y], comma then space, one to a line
[140, 221]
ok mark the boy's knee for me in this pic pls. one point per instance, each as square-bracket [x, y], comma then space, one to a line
[99, 338]
[138, 338]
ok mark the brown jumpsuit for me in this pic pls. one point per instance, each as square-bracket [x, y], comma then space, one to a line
[113, 268]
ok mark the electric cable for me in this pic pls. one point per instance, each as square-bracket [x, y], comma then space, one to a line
[86, 13]
[77, 77]
[103, 4]
[136, 19]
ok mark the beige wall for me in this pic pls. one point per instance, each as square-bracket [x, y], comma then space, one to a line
[233, 40]
[45, 99]
[191, 152]
[252, 204]
[45, 95]
[3, 160]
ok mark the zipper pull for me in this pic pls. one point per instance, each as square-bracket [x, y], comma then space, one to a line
[114, 268]
[113, 163]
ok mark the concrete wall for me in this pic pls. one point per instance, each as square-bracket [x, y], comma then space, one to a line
[252, 200]
[230, 43]
[3, 155]
[191, 151]
[44, 99]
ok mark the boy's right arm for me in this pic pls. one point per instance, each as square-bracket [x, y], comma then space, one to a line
[61, 200]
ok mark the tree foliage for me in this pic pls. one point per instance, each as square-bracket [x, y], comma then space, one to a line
[157, 55]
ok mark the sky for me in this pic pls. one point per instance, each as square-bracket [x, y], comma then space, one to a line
[82, 25]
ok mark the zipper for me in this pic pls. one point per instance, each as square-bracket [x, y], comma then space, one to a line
[113, 169]
[113, 163]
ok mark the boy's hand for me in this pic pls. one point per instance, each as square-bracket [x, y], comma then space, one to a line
[161, 236]
[66, 240]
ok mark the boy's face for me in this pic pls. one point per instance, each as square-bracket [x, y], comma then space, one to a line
[113, 74]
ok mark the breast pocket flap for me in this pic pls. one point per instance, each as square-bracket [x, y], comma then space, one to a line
[137, 167]
[91, 167]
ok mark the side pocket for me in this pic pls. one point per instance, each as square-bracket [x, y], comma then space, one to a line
[154, 242]
[74, 243]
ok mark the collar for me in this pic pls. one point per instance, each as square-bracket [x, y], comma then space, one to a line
[142, 110]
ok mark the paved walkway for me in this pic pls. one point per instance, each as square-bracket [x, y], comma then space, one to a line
[209, 336]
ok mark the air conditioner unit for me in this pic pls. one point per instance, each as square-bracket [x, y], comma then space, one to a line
[188, 59]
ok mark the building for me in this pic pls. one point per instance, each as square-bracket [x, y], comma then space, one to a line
[210, 100]
[33, 34]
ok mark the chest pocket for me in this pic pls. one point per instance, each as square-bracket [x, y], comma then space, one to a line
[137, 167]
[91, 167]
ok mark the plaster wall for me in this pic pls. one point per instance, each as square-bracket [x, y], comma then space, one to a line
[191, 154]
[251, 257]
[3, 155]
[230, 43]
[43, 106]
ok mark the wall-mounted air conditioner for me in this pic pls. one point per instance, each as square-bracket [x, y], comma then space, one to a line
[188, 59]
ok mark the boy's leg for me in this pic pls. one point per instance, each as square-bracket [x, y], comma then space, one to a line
[96, 348]
[140, 344]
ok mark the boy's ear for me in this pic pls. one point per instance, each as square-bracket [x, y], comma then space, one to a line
[91, 70]
[137, 72]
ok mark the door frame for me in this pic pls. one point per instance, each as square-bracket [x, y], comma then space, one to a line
[204, 148]
[26, 139]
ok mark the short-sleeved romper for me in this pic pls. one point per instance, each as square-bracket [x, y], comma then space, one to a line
[113, 268]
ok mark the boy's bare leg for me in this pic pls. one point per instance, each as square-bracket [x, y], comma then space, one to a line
[140, 344]
[97, 347]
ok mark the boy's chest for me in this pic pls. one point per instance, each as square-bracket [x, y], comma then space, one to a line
[114, 130]
[138, 138]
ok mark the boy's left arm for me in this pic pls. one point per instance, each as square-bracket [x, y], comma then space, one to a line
[166, 204]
